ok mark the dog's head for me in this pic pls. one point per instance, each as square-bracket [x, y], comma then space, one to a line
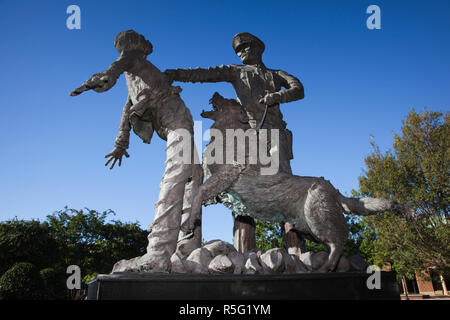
[225, 111]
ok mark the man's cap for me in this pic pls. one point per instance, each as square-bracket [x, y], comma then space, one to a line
[245, 37]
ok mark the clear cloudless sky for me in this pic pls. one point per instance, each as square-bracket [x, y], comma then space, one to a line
[358, 82]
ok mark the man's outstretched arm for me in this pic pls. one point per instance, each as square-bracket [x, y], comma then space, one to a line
[211, 74]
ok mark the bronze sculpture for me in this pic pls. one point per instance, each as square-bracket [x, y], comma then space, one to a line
[259, 91]
[312, 204]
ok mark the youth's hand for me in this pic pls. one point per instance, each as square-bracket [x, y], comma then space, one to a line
[99, 82]
[115, 155]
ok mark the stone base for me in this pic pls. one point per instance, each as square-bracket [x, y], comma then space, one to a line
[307, 286]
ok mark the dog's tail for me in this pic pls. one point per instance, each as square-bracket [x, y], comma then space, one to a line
[369, 206]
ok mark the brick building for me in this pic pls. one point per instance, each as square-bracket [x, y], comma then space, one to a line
[424, 284]
[437, 285]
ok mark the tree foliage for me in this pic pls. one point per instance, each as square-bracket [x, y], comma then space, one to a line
[23, 282]
[54, 283]
[415, 173]
[68, 237]
[86, 239]
[26, 241]
[268, 235]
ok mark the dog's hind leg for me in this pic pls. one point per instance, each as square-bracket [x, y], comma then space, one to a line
[336, 250]
[325, 221]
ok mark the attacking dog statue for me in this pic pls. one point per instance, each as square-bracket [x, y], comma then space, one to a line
[312, 204]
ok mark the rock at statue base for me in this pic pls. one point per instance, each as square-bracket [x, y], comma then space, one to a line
[318, 259]
[256, 251]
[126, 265]
[299, 265]
[306, 259]
[218, 247]
[177, 264]
[252, 265]
[198, 261]
[219, 257]
[238, 261]
[221, 264]
[272, 261]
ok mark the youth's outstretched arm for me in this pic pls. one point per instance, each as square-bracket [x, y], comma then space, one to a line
[103, 81]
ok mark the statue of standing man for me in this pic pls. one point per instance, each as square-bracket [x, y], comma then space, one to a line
[259, 91]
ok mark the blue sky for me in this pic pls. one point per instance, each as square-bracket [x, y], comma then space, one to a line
[358, 82]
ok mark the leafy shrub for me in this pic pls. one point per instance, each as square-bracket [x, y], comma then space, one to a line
[22, 282]
[54, 283]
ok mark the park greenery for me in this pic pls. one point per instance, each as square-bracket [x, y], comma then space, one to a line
[38, 253]
[34, 255]
[415, 173]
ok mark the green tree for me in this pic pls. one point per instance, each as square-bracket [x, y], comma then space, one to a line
[22, 282]
[86, 239]
[54, 283]
[268, 235]
[68, 237]
[26, 241]
[415, 173]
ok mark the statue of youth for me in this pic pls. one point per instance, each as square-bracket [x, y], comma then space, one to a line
[153, 104]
